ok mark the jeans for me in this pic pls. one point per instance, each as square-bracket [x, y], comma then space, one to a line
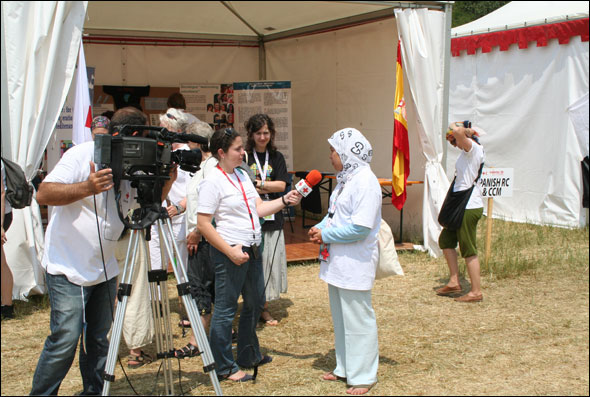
[71, 304]
[201, 278]
[230, 281]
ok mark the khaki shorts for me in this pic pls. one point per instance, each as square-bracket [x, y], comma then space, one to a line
[465, 236]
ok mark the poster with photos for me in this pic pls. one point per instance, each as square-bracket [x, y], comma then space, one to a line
[272, 98]
[212, 103]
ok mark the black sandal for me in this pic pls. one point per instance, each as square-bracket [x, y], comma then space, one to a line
[187, 351]
[140, 360]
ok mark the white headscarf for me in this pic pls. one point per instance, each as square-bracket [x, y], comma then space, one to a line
[354, 150]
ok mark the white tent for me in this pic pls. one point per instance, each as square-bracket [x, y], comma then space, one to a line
[339, 56]
[519, 92]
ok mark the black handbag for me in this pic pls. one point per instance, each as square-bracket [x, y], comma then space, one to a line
[453, 208]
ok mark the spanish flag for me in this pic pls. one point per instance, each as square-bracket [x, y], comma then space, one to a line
[401, 148]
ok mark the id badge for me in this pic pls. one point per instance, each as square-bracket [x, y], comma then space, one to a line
[271, 217]
[324, 252]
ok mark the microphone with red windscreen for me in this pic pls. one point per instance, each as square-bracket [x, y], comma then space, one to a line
[305, 186]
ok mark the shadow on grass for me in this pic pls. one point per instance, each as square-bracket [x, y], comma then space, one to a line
[327, 362]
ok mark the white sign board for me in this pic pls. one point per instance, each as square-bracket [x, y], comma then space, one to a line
[497, 182]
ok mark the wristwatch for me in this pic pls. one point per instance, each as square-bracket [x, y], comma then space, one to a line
[179, 209]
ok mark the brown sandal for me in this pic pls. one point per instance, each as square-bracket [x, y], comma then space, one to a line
[140, 360]
[331, 377]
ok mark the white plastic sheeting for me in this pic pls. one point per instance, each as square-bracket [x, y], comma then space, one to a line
[40, 42]
[422, 32]
[521, 97]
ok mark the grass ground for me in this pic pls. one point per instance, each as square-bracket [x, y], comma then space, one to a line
[528, 337]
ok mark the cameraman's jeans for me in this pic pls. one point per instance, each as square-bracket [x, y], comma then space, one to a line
[71, 304]
[230, 281]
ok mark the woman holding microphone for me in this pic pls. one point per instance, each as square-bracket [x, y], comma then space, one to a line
[228, 196]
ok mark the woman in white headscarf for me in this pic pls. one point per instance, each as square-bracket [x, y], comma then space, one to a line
[348, 256]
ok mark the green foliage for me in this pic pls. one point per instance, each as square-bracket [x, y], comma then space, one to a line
[468, 11]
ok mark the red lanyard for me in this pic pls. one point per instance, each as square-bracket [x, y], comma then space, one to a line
[243, 192]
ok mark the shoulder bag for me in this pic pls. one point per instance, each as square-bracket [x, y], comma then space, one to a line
[453, 208]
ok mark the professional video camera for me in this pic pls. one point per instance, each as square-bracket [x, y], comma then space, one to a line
[144, 156]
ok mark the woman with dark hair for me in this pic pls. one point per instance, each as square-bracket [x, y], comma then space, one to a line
[228, 195]
[270, 169]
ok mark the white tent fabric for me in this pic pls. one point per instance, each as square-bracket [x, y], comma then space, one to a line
[521, 98]
[422, 51]
[40, 45]
[578, 112]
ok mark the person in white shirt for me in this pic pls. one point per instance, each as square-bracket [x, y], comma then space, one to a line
[348, 257]
[83, 229]
[200, 273]
[175, 203]
[467, 168]
[228, 195]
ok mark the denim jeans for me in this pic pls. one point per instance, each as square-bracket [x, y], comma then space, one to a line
[71, 304]
[230, 281]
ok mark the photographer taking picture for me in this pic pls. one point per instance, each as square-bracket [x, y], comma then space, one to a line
[83, 229]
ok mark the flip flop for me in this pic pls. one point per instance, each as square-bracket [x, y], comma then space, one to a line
[338, 378]
[245, 378]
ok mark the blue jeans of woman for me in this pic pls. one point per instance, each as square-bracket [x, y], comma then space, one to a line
[230, 281]
[77, 313]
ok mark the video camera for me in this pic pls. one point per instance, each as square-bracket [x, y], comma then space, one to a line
[144, 156]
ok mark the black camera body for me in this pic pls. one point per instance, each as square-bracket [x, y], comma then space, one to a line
[146, 162]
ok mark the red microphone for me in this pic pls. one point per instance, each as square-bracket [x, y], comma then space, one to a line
[305, 186]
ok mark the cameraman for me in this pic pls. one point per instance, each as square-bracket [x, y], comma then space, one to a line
[81, 286]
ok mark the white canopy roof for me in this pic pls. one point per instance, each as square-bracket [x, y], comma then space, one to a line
[242, 21]
[518, 14]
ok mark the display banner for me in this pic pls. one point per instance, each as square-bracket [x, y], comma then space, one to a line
[272, 98]
[212, 103]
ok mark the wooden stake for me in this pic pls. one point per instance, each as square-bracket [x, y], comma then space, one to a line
[489, 231]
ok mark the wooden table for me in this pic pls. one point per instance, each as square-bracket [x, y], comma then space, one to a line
[326, 184]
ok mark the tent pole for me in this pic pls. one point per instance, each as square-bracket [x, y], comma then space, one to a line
[446, 79]
[261, 60]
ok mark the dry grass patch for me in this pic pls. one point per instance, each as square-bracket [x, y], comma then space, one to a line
[529, 336]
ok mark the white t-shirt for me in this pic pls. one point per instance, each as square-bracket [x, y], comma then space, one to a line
[177, 194]
[218, 197]
[467, 168]
[192, 194]
[352, 265]
[72, 245]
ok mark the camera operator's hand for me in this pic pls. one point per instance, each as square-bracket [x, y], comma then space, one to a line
[100, 181]
[315, 235]
[237, 256]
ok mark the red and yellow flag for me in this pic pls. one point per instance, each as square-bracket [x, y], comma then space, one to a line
[401, 147]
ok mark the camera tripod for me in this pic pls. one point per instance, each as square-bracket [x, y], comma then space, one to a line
[160, 308]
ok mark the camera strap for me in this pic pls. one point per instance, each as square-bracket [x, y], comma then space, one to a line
[243, 193]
